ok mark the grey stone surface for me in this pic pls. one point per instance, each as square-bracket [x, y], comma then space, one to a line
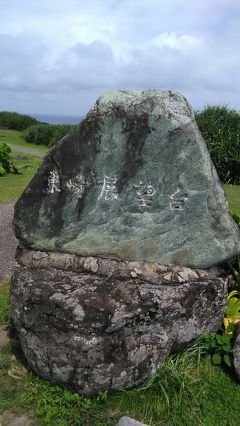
[127, 421]
[133, 182]
[236, 352]
[11, 419]
[93, 324]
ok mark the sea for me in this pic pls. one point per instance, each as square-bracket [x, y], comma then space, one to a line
[57, 119]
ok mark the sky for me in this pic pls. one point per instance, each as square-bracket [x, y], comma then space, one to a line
[58, 56]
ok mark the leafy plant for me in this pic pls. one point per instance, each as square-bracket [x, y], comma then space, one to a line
[232, 315]
[39, 134]
[60, 131]
[220, 127]
[6, 165]
[219, 346]
[47, 134]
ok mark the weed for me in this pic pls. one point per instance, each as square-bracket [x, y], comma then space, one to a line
[4, 305]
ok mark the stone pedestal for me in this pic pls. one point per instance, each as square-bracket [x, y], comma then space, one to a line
[93, 324]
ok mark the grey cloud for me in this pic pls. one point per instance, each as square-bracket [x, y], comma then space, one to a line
[203, 63]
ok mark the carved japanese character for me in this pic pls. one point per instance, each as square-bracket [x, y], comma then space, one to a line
[53, 182]
[145, 194]
[77, 185]
[177, 201]
[109, 189]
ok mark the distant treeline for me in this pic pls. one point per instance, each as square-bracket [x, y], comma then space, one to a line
[219, 125]
[33, 130]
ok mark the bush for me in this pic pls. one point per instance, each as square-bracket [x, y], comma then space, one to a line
[39, 134]
[60, 131]
[16, 121]
[6, 166]
[47, 134]
[5, 157]
[220, 127]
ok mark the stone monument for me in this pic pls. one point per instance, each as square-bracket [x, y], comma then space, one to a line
[116, 230]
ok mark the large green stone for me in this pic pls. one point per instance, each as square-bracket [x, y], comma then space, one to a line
[134, 181]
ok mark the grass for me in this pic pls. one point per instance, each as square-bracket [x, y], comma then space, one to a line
[16, 138]
[4, 306]
[12, 185]
[233, 196]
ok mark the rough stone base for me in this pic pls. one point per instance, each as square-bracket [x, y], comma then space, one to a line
[94, 324]
[126, 421]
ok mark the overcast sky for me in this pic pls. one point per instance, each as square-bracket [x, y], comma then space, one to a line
[57, 56]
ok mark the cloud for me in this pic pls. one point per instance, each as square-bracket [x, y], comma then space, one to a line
[72, 51]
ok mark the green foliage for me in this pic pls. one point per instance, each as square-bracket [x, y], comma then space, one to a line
[2, 171]
[16, 121]
[6, 165]
[220, 127]
[219, 345]
[39, 134]
[232, 314]
[5, 151]
[60, 131]
[236, 217]
[233, 197]
[46, 134]
[4, 305]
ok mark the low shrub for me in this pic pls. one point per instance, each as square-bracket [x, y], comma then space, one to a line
[220, 127]
[39, 134]
[6, 165]
[47, 134]
[16, 121]
[60, 131]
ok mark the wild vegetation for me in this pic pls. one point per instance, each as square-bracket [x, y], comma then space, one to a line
[220, 127]
[47, 134]
[15, 121]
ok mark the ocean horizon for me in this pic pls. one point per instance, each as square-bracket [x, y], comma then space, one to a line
[57, 118]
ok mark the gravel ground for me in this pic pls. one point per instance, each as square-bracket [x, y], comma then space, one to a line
[8, 242]
[27, 150]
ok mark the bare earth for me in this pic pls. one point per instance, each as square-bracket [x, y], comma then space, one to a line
[8, 242]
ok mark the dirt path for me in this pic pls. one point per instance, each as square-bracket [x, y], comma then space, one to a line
[8, 242]
[27, 150]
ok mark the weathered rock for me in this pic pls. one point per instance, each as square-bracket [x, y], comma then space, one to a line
[93, 324]
[11, 419]
[133, 182]
[236, 352]
[127, 421]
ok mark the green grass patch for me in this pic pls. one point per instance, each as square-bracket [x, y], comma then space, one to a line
[16, 138]
[12, 185]
[188, 390]
[4, 305]
[233, 196]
